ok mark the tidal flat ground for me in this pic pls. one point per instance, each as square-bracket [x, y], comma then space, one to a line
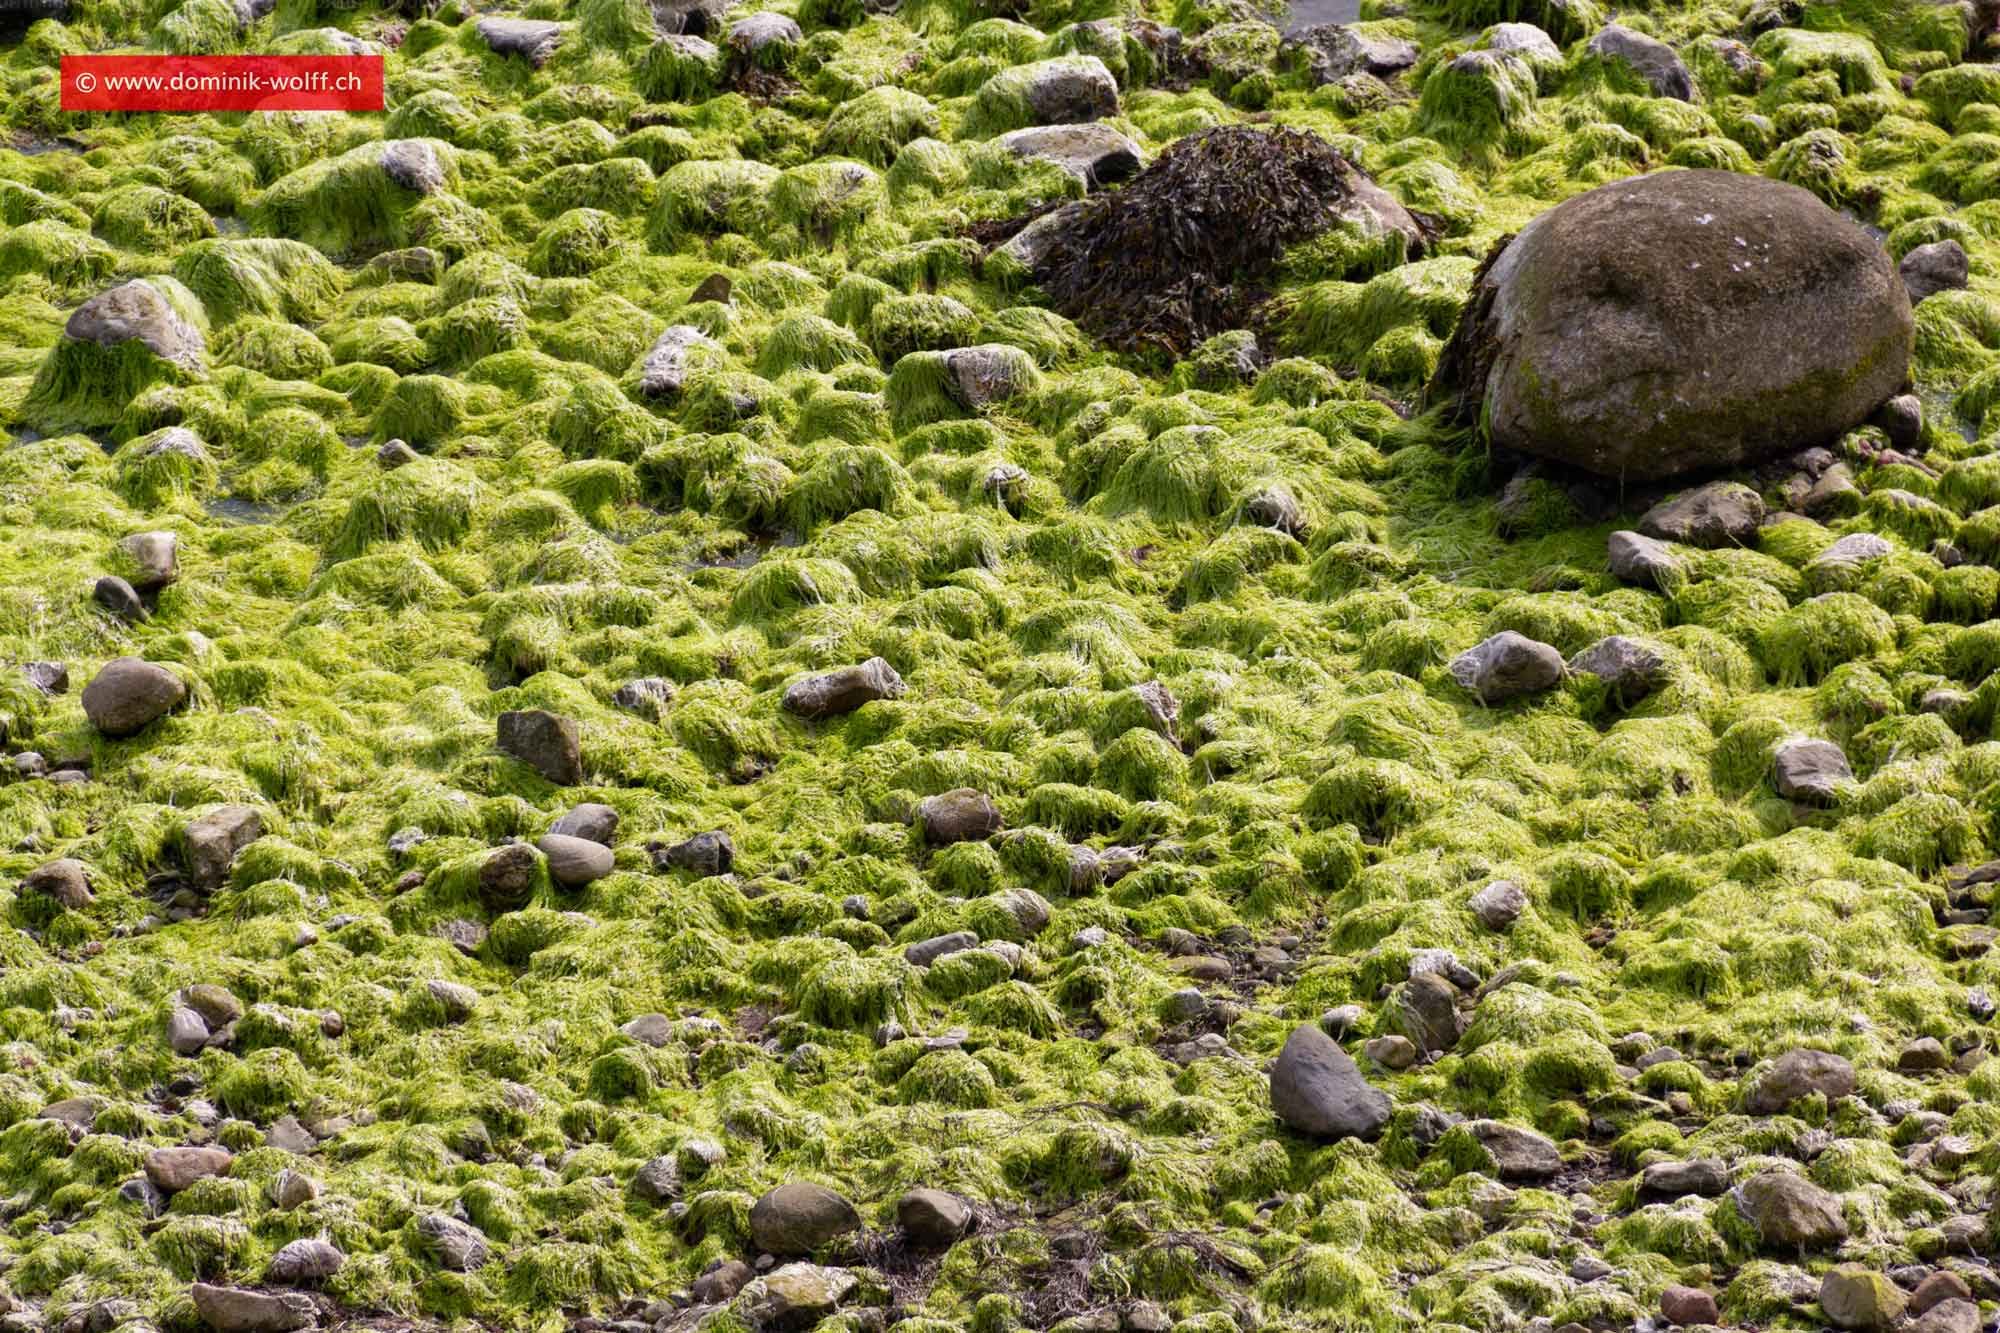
[637, 694]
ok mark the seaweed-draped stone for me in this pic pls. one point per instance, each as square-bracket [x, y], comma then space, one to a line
[1680, 322]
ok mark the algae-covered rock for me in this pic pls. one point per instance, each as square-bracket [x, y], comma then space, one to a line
[1095, 154]
[1940, 266]
[544, 741]
[64, 881]
[1508, 666]
[1799, 1073]
[799, 1217]
[1637, 330]
[1853, 1297]
[1803, 769]
[1721, 513]
[1648, 60]
[1789, 1212]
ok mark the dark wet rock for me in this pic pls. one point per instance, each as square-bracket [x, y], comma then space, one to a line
[1722, 513]
[1705, 1176]
[1628, 668]
[308, 1260]
[1319, 1091]
[722, 1282]
[1637, 558]
[1646, 58]
[837, 692]
[597, 823]
[799, 1217]
[1499, 904]
[795, 1297]
[1029, 910]
[925, 952]
[507, 877]
[135, 311]
[1627, 331]
[1902, 420]
[1094, 154]
[710, 853]
[64, 881]
[1810, 770]
[1425, 1009]
[129, 694]
[120, 598]
[187, 1032]
[755, 32]
[174, 1169]
[1333, 51]
[676, 353]
[1518, 1154]
[240, 1310]
[214, 840]
[455, 1245]
[1508, 666]
[395, 454]
[534, 40]
[151, 559]
[575, 862]
[1834, 494]
[545, 742]
[1688, 1305]
[931, 1218]
[1940, 266]
[960, 815]
[648, 695]
[1854, 1297]
[715, 287]
[692, 17]
[1790, 1212]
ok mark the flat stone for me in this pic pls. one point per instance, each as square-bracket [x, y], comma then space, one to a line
[239, 1310]
[535, 40]
[755, 32]
[1952, 1316]
[1334, 51]
[1854, 1297]
[925, 952]
[1939, 1286]
[655, 1030]
[174, 1169]
[796, 1296]
[1704, 1176]
[598, 823]
[675, 354]
[1518, 1154]
[1318, 1090]
[575, 862]
[1639, 559]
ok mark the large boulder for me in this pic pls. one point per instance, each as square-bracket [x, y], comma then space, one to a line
[800, 1217]
[1798, 1073]
[128, 694]
[1657, 326]
[1789, 1212]
[136, 312]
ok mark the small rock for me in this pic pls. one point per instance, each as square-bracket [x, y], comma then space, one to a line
[925, 952]
[1939, 1286]
[238, 1310]
[1798, 1073]
[1812, 771]
[931, 1218]
[648, 695]
[1031, 911]
[655, 1030]
[1391, 1052]
[961, 815]
[1507, 666]
[214, 840]
[545, 742]
[1940, 266]
[722, 1282]
[1518, 1154]
[48, 677]
[1902, 420]
[705, 854]
[1425, 1009]
[456, 1245]
[414, 164]
[1319, 1091]
[1952, 1316]
[174, 1169]
[1499, 904]
[1705, 1176]
[507, 877]
[1833, 495]
[715, 287]
[152, 559]
[681, 349]
[1628, 668]
[1855, 1297]
[1638, 559]
[989, 373]
[293, 1189]
[1651, 60]
[287, 1135]
[535, 40]
[659, 1180]
[597, 823]
[454, 1001]
[1588, 1268]
[1096, 155]
[796, 1296]
[395, 454]
[65, 882]
[468, 937]
[1334, 51]
[1722, 513]
[754, 32]
[575, 862]
[120, 599]
[843, 691]
[1688, 1305]
[800, 1217]
[1923, 1055]
[309, 1260]
[129, 694]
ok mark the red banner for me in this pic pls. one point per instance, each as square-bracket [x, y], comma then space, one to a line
[222, 83]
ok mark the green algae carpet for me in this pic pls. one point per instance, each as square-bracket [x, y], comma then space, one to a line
[1163, 729]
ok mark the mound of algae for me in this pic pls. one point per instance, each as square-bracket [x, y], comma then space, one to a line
[634, 367]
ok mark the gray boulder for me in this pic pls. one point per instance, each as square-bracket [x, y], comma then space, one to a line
[1798, 1073]
[598, 823]
[960, 815]
[1518, 1154]
[1705, 1176]
[1789, 1212]
[1507, 666]
[1627, 667]
[800, 1217]
[1634, 330]
[1812, 771]
[455, 1245]
[151, 559]
[1641, 560]
[647, 695]
[1940, 266]
[1499, 904]
[312, 1259]
[710, 853]
[1318, 1090]
[1646, 58]
[755, 32]
[989, 373]
[795, 1296]
[414, 164]
[545, 742]
[925, 952]
[1425, 1009]
[1333, 51]
[174, 1169]
[534, 40]
[240, 1310]
[575, 862]
[1722, 513]
[1094, 154]
[1066, 89]
[136, 312]
[213, 841]
[838, 692]
[129, 694]
[931, 1218]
